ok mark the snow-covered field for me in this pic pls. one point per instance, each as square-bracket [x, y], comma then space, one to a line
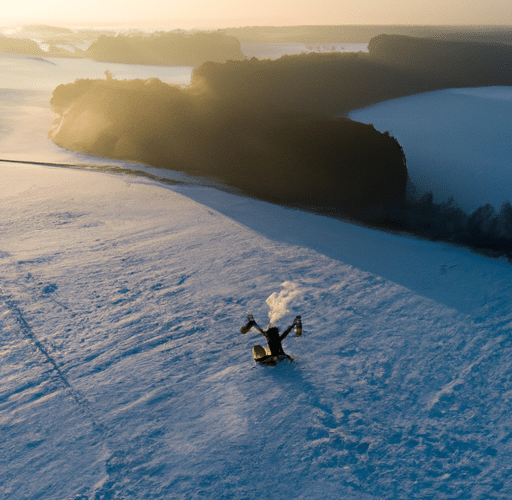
[276, 50]
[458, 142]
[123, 374]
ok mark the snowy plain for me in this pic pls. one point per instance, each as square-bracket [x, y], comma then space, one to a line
[124, 375]
[458, 142]
[276, 50]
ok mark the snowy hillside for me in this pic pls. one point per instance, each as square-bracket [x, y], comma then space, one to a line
[123, 374]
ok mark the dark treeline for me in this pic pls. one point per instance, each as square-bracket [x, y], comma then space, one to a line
[324, 84]
[283, 157]
[486, 230]
[339, 168]
[336, 83]
[446, 63]
[166, 48]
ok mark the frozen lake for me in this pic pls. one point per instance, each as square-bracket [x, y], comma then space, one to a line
[457, 142]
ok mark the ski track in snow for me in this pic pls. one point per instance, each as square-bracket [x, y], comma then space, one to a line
[124, 375]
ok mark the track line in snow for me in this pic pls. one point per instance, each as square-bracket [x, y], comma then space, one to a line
[38, 345]
[168, 177]
[112, 169]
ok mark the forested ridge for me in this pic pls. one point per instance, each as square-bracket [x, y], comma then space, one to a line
[273, 129]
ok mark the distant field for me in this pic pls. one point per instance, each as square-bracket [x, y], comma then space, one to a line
[364, 33]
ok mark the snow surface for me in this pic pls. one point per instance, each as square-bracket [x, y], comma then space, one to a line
[276, 50]
[123, 374]
[457, 141]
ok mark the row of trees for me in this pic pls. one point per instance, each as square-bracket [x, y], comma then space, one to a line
[166, 48]
[331, 84]
[485, 229]
[337, 167]
[281, 156]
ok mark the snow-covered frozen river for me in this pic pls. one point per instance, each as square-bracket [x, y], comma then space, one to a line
[123, 374]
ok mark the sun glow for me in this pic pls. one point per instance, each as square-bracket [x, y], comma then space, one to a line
[206, 14]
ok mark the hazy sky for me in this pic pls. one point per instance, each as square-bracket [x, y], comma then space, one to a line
[228, 13]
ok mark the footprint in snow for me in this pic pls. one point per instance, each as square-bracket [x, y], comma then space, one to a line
[52, 287]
